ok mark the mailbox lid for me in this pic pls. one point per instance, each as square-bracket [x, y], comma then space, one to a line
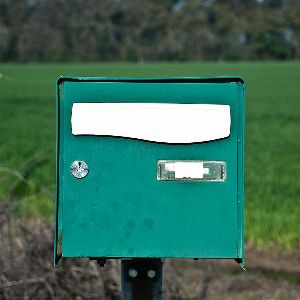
[120, 209]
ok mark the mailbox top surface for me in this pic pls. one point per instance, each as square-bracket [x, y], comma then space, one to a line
[215, 79]
[120, 209]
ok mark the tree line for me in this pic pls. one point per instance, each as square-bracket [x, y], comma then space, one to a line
[149, 30]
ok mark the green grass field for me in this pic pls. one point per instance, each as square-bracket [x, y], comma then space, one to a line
[272, 215]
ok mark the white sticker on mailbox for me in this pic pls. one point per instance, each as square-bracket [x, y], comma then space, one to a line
[190, 170]
[155, 122]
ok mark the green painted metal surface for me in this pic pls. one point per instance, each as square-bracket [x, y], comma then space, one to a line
[120, 209]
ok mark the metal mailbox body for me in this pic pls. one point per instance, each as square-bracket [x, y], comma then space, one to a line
[120, 209]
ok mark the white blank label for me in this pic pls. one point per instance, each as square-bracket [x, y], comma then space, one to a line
[166, 123]
[190, 170]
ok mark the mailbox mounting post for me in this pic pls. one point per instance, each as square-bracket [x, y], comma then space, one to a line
[141, 279]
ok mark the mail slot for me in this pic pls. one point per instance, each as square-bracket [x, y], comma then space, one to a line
[150, 168]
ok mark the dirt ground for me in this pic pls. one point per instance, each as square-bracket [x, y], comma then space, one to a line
[26, 272]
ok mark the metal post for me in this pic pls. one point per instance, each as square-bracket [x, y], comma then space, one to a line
[141, 279]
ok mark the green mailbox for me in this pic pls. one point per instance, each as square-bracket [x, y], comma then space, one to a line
[150, 168]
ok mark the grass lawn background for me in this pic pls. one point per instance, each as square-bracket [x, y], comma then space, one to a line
[272, 185]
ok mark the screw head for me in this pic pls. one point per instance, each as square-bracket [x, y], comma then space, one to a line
[151, 274]
[79, 169]
[132, 273]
